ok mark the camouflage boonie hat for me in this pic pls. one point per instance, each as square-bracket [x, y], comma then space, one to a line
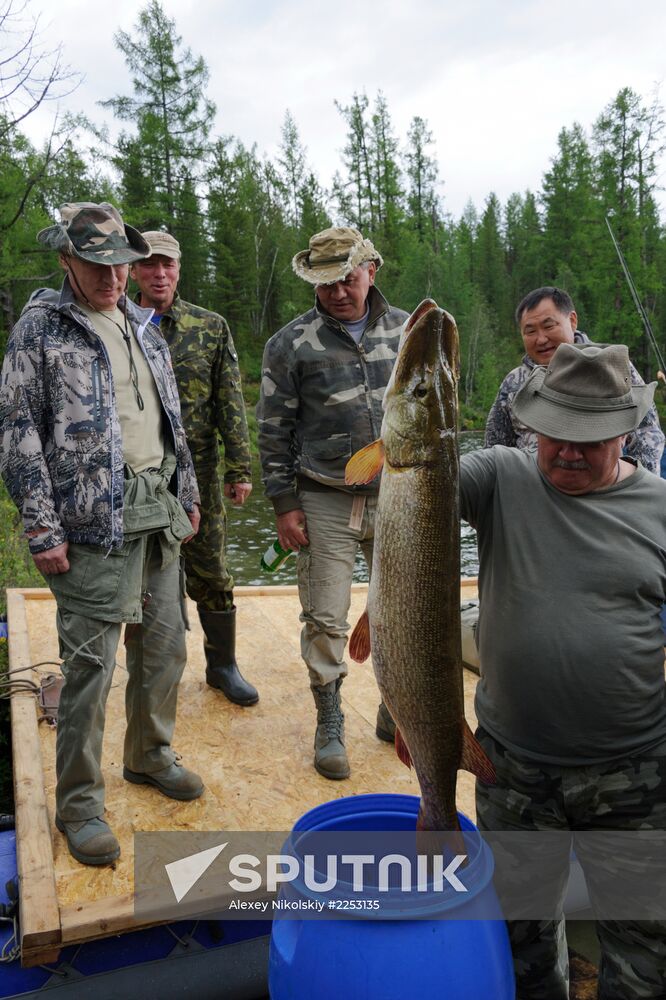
[333, 254]
[163, 244]
[94, 233]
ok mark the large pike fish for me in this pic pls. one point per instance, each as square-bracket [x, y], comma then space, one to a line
[412, 622]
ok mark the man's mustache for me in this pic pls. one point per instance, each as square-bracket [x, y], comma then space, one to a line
[579, 465]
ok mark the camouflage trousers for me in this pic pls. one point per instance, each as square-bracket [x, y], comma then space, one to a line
[627, 794]
[209, 582]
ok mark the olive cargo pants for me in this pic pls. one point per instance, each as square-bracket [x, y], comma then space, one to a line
[156, 656]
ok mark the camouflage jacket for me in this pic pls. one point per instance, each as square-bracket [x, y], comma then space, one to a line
[502, 427]
[60, 441]
[205, 364]
[321, 397]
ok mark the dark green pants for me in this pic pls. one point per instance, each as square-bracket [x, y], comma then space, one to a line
[156, 656]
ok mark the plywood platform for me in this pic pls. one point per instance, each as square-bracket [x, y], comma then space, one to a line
[256, 762]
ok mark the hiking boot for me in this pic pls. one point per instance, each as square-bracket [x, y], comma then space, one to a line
[90, 841]
[175, 781]
[385, 728]
[220, 648]
[330, 754]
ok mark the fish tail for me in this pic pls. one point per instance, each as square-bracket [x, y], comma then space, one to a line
[359, 644]
[474, 758]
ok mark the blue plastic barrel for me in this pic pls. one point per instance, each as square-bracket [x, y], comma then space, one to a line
[458, 958]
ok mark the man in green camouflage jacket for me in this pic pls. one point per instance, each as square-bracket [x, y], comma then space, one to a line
[324, 376]
[209, 384]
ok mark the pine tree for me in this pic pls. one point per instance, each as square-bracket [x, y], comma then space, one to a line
[172, 115]
[424, 210]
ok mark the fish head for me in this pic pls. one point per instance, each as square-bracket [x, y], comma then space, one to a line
[421, 400]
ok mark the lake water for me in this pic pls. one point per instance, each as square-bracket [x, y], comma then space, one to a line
[251, 529]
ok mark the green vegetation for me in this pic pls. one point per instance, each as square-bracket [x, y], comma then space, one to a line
[240, 217]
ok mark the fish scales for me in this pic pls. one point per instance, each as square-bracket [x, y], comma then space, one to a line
[418, 663]
[414, 591]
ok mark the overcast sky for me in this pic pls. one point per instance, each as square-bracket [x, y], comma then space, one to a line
[495, 79]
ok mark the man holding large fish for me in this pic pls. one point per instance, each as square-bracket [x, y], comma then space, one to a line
[571, 702]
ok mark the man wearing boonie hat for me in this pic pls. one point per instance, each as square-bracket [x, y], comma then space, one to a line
[324, 376]
[571, 702]
[204, 355]
[93, 453]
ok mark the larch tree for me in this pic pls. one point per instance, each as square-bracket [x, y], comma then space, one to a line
[163, 159]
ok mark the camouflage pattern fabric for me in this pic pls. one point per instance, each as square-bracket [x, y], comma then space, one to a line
[211, 398]
[209, 582]
[60, 442]
[628, 794]
[321, 397]
[94, 233]
[645, 444]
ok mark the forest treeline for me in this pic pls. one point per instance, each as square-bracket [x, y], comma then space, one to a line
[240, 217]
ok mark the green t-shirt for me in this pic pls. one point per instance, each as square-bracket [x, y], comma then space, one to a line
[571, 587]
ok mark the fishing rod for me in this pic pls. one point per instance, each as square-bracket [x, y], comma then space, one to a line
[639, 306]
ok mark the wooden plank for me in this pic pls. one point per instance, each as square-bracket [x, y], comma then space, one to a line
[258, 763]
[34, 593]
[100, 918]
[38, 902]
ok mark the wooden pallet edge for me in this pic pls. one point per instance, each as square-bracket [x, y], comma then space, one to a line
[38, 902]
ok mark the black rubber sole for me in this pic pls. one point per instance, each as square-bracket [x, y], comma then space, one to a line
[243, 702]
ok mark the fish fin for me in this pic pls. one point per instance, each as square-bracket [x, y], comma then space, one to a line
[359, 644]
[474, 758]
[402, 749]
[363, 466]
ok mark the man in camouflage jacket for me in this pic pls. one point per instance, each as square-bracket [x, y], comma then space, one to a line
[209, 383]
[546, 317]
[324, 377]
[93, 453]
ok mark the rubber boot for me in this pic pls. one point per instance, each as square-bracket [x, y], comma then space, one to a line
[220, 648]
[385, 727]
[330, 755]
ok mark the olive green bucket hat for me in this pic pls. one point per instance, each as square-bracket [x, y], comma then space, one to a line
[333, 254]
[585, 394]
[94, 233]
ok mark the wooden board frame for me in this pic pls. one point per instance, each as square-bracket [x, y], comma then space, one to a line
[46, 926]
